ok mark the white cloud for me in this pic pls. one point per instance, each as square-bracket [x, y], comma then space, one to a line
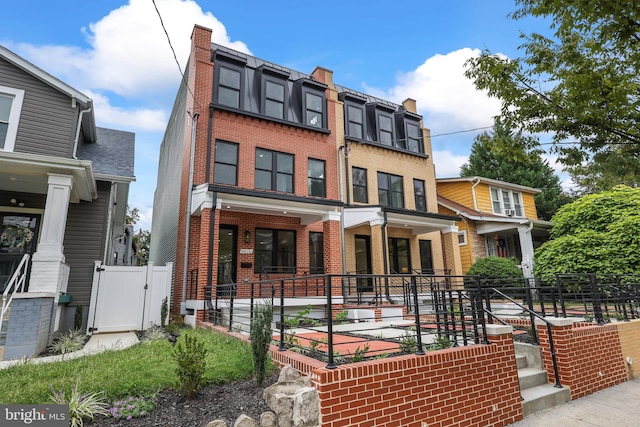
[145, 119]
[128, 52]
[445, 97]
[448, 164]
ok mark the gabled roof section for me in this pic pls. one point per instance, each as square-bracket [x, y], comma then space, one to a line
[86, 103]
[490, 181]
[112, 155]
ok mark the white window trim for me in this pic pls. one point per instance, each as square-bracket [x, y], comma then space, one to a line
[464, 241]
[14, 116]
[501, 200]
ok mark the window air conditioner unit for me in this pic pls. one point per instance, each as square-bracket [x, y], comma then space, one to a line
[510, 212]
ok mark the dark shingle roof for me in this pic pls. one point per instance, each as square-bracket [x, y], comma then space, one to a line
[112, 153]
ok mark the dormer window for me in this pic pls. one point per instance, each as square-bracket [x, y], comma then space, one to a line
[314, 111]
[506, 202]
[409, 131]
[385, 129]
[414, 137]
[355, 122]
[274, 99]
[229, 76]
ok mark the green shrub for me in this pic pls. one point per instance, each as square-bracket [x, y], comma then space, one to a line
[190, 355]
[495, 272]
[261, 339]
[69, 341]
[78, 318]
[408, 342]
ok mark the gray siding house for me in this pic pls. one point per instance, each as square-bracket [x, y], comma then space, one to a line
[64, 185]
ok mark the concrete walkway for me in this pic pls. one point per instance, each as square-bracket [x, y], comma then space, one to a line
[617, 406]
[96, 344]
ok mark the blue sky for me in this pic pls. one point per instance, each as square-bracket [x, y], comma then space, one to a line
[116, 52]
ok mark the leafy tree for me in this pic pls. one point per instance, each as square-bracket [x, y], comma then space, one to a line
[142, 239]
[598, 233]
[582, 85]
[513, 157]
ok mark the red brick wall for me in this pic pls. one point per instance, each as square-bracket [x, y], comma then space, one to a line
[589, 357]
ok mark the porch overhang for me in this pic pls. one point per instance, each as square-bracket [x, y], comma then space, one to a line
[417, 222]
[490, 227]
[28, 173]
[308, 210]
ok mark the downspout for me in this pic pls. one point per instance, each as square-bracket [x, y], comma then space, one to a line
[185, 265]
[212, 223]
[473, 193]
[385, 258]
[345, 150]
[76, 140]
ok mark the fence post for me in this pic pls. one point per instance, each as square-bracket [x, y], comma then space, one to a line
[231, 298]
[414, 291]
[532, 319]
[330, 364]
[595, 298]
[282, 346]
[480, 309]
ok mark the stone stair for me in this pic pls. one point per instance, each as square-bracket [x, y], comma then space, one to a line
[536, 391]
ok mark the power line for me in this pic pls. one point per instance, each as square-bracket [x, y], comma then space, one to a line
[461, 131]
[175, 57]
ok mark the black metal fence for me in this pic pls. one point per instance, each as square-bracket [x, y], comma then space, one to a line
[347, 318]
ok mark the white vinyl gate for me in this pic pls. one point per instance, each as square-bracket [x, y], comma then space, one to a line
[125, 298]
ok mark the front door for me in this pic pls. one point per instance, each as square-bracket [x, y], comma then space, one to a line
[227, 245]
[399, 260]
[18, 237]
[363, 262]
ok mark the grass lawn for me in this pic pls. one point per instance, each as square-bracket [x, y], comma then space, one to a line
[141, 370]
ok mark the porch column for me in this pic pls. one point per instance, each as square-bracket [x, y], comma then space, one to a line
[526, 247]
[49, 273]
[452, 258]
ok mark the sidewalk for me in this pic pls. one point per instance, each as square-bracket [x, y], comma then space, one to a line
[96, 344]
[617, 406]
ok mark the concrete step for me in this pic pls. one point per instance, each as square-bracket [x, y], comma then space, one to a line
[531, 377]
[542, 397]
[521, 361]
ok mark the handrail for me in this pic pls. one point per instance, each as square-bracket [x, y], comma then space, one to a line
[17, 282]
[551, 346]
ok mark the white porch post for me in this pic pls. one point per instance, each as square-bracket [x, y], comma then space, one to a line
[49, 273]
[526, 247]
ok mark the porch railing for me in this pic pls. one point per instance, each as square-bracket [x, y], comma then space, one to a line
[16, 284]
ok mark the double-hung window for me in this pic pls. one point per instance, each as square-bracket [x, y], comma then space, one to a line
[355, 122]
[274, 171]
[229, 86]
[360, 191]
[390, 190]
[316, 176]
[274, 99]
[10, 107]
[385, 129]
[314, 110]
[414, 140]
[419, 195]
[275, 250]
[226, 163]
[506, 202]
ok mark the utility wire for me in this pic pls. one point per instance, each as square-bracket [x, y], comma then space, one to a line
[175, 57]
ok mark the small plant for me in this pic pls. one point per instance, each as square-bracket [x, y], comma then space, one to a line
[260, 337]
[620, 317]
[164, 311]
[440, 343]
[133, 407]
[301, 318]
[341, 317]
[154, 333]
[81, 406]
[189, 353]
[408, 343]
[69, 341]
[78, 317]
[360, 353]
[588, 317]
